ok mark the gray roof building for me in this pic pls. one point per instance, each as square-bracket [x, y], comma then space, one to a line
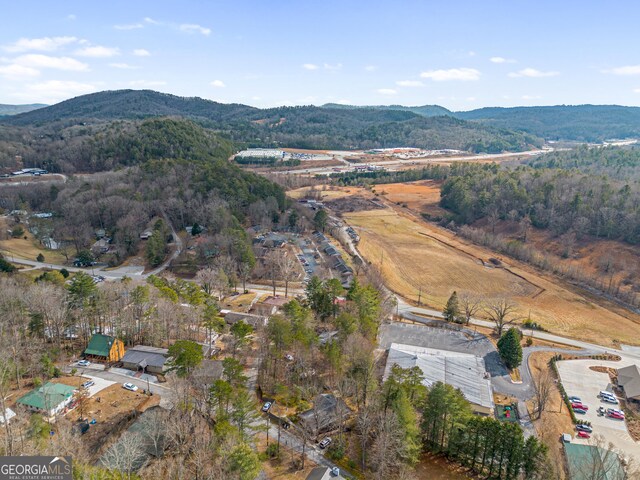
[145, 358]
[460, 370]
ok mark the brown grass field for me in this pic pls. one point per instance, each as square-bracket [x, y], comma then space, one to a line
[413, 254]
[28, 248]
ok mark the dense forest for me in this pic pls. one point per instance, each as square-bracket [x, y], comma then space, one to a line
[559, 200]
[620, 163]
[299, 127]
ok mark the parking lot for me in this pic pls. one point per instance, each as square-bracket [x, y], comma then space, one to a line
[580, 381]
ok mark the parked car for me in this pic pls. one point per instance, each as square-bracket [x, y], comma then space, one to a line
[266, 406]
[579, 410]
[584, 428]
[325, 442]
[575, 399]
[601, 410]
[130, 386]
[84, 363]
[616, 415]
[288, 357]
[286, 425]
[609, 399]
[335, 471]
[88, 383]
[581, 406]
[582, 434]
[616, 411]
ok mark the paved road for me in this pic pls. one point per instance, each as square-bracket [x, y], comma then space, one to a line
[420, 161]
[97, 370]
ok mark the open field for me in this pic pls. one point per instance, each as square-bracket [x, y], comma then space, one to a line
[331, 193]
[413, 254]
[27, 247]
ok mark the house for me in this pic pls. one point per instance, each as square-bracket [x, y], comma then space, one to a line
[49, 399]
[327, 413]
[105, 348]
[252, 319]
[7, 415]
[101, 233]
[326, 337]
[145, 359]
[101, 246]
[264, 309]
[146, 234]
[463, 371]
[629, 381]
[324, 473]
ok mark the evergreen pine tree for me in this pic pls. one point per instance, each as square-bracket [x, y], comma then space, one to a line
[451, 312]
[510, 348]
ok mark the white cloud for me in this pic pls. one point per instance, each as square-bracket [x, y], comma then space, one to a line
[98, 51]
[71, 16]
[328, 66]
[129, 26]
[501, 60]
[45, 61]
[532, 73]
[371, 68]
[460, 74]
[146, 83]
[409, 83]
[626, 70]
[124, 66]
[310, 66]
[218, 84]
[45, 44]
[18, 72]
[141, 52]
[152, 21]
[53, 91]
[194, 28]
[387, 91]
[636, 90]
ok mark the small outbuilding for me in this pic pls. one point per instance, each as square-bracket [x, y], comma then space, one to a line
[7, 416]
[629, 381]
[252, 319]
[105, 348]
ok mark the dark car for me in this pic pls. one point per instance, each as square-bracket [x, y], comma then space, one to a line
[584, 428]
[579, 410]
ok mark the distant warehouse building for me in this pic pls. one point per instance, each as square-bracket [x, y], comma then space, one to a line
[460, 370]
[145, 359]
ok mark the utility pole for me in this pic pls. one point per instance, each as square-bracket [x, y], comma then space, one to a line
[420, 296]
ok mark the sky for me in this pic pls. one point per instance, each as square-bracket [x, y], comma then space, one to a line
[458, 54]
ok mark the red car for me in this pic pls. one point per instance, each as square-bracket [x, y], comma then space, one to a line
[615, 415]
[579, 405]
[582, 434]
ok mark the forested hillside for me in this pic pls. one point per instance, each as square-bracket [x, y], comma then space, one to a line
[589, 123]
[424, 110]
[176, 168]
[301, 127]
[16, 109]
[620, 163]
[560, 200]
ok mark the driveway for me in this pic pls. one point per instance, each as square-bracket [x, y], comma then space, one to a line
[99, 384]
[579, 380]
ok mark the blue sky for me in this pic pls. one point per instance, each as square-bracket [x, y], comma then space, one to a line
[459, 54]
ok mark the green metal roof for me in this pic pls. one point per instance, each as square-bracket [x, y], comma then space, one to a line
[99, 345]
[48, 396]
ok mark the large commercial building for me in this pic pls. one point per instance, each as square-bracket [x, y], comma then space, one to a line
[460, 370]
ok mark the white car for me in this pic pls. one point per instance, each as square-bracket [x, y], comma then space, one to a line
[84, 363]
[130, 386]
[266, 406]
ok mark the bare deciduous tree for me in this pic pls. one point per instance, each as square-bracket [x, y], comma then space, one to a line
[502, 312]
[470, 304]
[544, 385]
